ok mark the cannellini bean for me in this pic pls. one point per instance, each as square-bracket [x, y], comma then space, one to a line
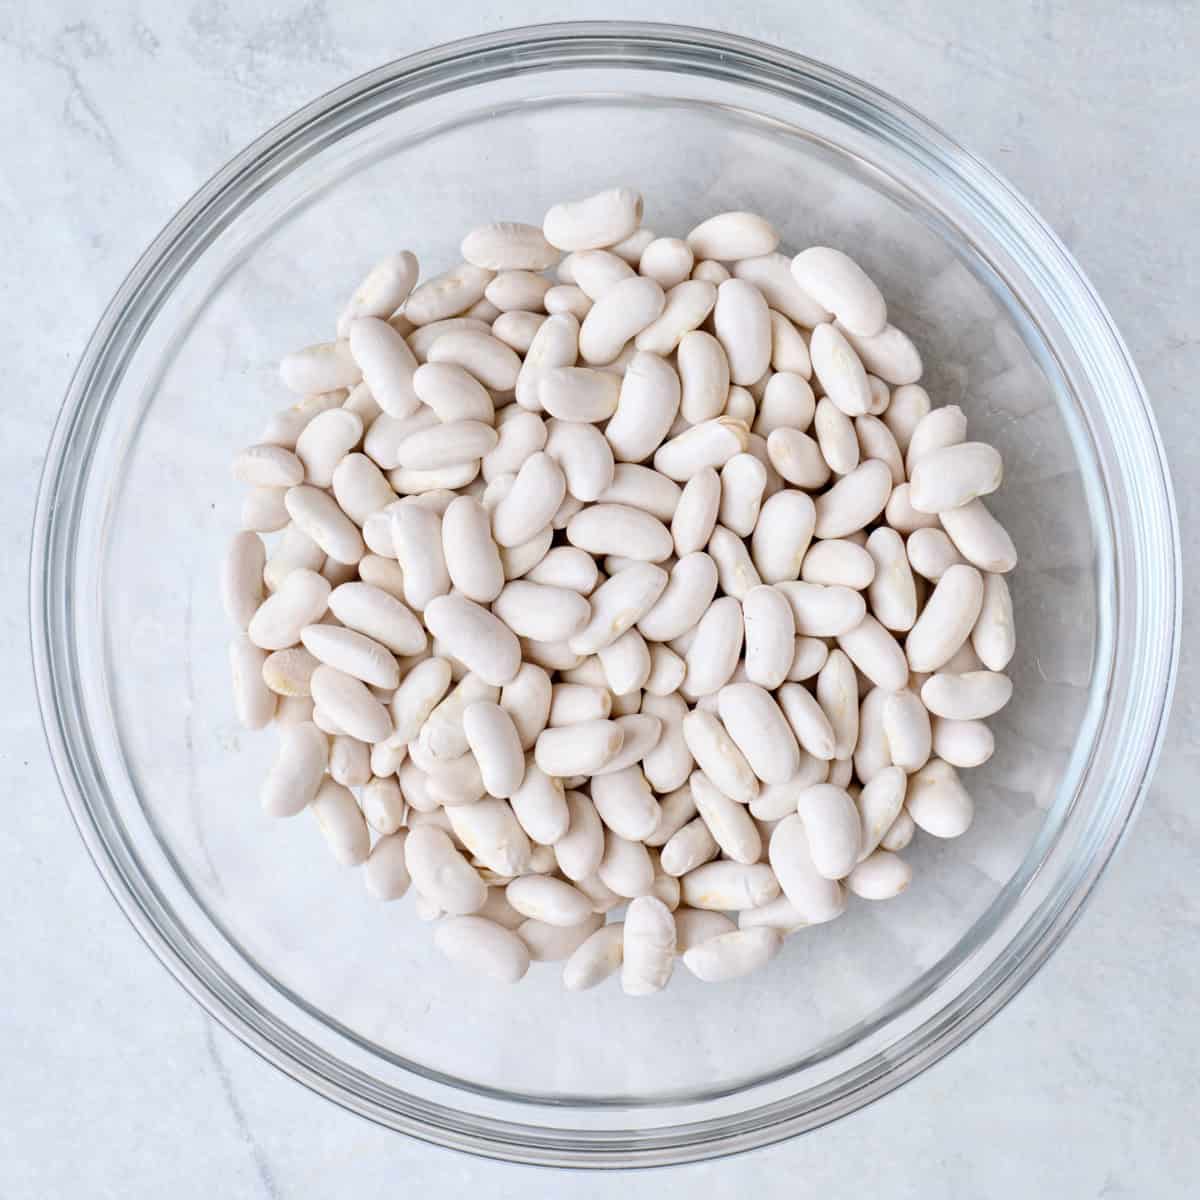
[517, 329]
[583, 455]
[292, 782]
[875, 440]
[626, 867]
[441, 873]
[932, 553]
[578, 749]
[760, 731]
[879, 804]
[733, 235]
[889, 354]
[640, 734]
[566, 567]
[579, 393]
[736, 572]
[540, 806]
[379, 615]
[574, 702]
[442, 735]
[382, 292]
[508, 246]
[595, 271]
[730, 824]
[836, 437]
[902, 517]
[288, 672]
[475, 637]
[732, 955]
[471, 557]
[625, 803]
[837, 694]
[352, 652]
[483, 946]
[837, 562]
[979, 537]
[341, 823]
[595, 959]
[947, 619]
[695, 926]
[839, 284]
[872, 754]
[351, 705]
[782, 536]
[696, 514]
[907, 730]
[360, 488]
[993, 636]
[808, 721]
[691, 846]
[939, 428]
[787, 403]
[962, 743]
[626, 663]
[420, 340]
[617, 604]
[242, 577]
[417, 538]
[601, 220]
[496, 745]
[646, 407]
[684, 601]
[823, 611]
[968, 697]
[385, 872]
[687, 305]
[619, 529]
[910, 403]
[568, 300]
[382, 442]
[667, 260]
[743, 327]
[881, 876]
[729, 886]
[642, 488]
[448, 294]
[772, 275]
[648, 947]
[325, 441]
[743, 479]
[285, 426]
[268, 466]
[293, 550]
[669, 762]
[854, 501]
[816, 896]
[549, 900]
[873, 650]
[556, 344]
[718, 756]
[383, 805]
[714, 653]
[321, 368]
[387, 364]
[808, 657]
[710, 444]
[839, 371]
[951, 476]
[938, 802]
[317, 514]
[554, 943]
[621, 313]
[902, 832]
[526, 699]
[383, 573]
[580, 850]
[301, 600]
[667, 671]
[769, 636]
[789, 349]
[703, 376]
[797, 457]
[349, 761]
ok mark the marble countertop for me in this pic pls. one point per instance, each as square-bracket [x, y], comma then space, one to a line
[114, 1082]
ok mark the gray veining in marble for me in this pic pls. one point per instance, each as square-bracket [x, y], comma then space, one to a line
[115, 1084]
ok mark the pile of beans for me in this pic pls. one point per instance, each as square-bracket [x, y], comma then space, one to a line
[620, 573]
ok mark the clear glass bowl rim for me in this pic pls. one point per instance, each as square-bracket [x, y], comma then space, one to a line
[1148, 539]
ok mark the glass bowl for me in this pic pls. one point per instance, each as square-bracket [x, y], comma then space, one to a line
[253, 917]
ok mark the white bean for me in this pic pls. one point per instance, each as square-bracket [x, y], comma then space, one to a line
[301, 600]
[782, 536]
[889, 354]
[808, 657]
[517, 329]
[595, 959]
[907, 730]
[732, 955]
[494, 741]
[714, 652]
[508, 246]
[742, 324]
[789, 349]
[902, 517]
[939, 428]
[352, 652]
[932, 553]
[317, 514]
[417, 538]
[772, 275]
[621, 313]
[729, 886]
[881, 876]
[743, 480]
[798, 458]
[626, 663]
[579, 851]
[385, 872]
[836, 437]
[625, 803]
[730, 824]
[696, 513]
[769, 636]
[969, 697]
[687, 306]
[840, 563]
[296, 775]
[600, 220]
[823, 611]
[962, 743]
[242, 577]
[808, 721]
[873, 650]
[703, 376]
[994, 633]
[645, 409]
[475, 637]
[947, 619]
[839, 284]
[980, 538]
[583, 455]
[733, 235]
[578, 749]
[952, 476]
[383, 290]
[350, 704]
[617, 604]
[787, 403]
[854, 501]
[321, 368]
[938, 802]
[718, 757]
[879, 804]
[760, 731]
[626, 867]
[372, 611]
[341, 823]
[556, 344]
[648, 948]
[447, 295]
[815, 896]
[736, 572]
[837, 694]
[902, 832]
[839, 370]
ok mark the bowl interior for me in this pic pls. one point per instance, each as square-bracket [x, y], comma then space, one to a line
[273, 281]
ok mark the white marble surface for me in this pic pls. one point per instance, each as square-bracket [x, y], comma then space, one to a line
[114, 1082]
